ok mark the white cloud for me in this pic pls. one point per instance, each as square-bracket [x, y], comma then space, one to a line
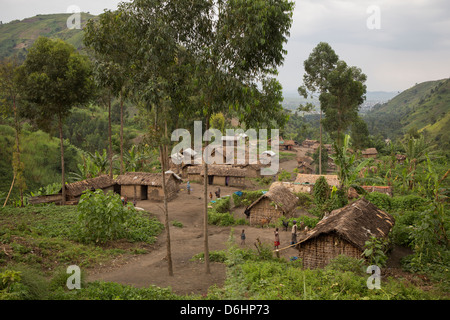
[411, 46]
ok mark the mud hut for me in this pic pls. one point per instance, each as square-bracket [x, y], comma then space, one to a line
[192, 173]
[275, 203]
[369, 153]
[75, 190]
[344, 232]
[148, 186]
[225, 175]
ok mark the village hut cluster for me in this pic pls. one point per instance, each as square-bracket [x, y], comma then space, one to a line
[133, 185]
[343, 231]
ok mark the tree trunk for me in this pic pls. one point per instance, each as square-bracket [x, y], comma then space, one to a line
[63, 182]
[205, 212]
[16, 123]
[166, 211]
[109, 137]
[320, 146]
[121, 132]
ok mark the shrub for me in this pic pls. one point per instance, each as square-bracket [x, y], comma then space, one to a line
[321, 191]
[381, 200]
[102, 216]
[304, 199]
[222, 205]
[247, 197]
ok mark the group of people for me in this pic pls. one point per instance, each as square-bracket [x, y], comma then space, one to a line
[277, 236]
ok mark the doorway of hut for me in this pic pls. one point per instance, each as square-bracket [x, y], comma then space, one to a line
[144, 192]
[227, 180]
[210, 179]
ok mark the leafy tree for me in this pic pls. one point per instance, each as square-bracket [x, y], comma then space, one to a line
[9, 90]
[217, 121]
[318, 66]
[242, 46]
[345, 93]
[53, 79]
[360, 134]
[348, 166]
[106, 39]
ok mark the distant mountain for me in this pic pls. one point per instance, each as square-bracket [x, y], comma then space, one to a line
[425, 107]
[18, 35]
[292, 100]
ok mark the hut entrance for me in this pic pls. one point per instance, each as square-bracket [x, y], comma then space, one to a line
[210, 179]
[227, 181]
[144, 192]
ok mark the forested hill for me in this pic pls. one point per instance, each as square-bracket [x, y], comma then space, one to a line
[424, 108]
[18, 35]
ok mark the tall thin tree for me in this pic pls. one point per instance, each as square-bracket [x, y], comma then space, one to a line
[53, 79]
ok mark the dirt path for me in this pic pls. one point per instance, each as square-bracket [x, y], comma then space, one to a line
[189, 276]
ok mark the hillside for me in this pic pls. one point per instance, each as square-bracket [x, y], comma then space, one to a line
[424, 107]
[16, 36]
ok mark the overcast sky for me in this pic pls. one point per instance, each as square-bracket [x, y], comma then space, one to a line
[396, 43]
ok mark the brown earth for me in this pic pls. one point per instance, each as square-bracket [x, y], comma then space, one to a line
[188, 276]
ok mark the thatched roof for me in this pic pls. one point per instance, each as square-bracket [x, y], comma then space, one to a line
[305, 159]
[194, 169]
[356, 223]
[77, 188]
[281, 196]
[289, 143]
[143, 178]
[370, 151]
[332, 179]
[224, 171]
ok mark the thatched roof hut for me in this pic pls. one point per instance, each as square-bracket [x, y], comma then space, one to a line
[75, 190]
[276, 202]
[225, 175]
[104, 182]
[369, 153]
[311, 179]
[145, 185]
[344, 231]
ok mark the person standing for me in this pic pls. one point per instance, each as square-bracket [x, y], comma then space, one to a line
[294, 233]
[188, 188]
[277, 239]
[243, 237]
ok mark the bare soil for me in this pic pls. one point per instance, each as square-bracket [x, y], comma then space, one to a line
[189, 277]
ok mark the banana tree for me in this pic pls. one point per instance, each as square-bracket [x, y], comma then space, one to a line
[348, 165]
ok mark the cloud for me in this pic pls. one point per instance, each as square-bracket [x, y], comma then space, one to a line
[412, 44]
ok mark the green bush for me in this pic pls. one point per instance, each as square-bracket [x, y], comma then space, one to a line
[304, 199]
[321, 191]
[381, 200]
[408, 202]
[214, 256]
[247, 197]
[102, 216]
[222, 205]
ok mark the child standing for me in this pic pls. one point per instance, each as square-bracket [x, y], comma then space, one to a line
[277, 239]
[243, 237]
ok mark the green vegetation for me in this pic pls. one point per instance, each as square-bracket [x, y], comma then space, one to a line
[423, 108]
[16, 36]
